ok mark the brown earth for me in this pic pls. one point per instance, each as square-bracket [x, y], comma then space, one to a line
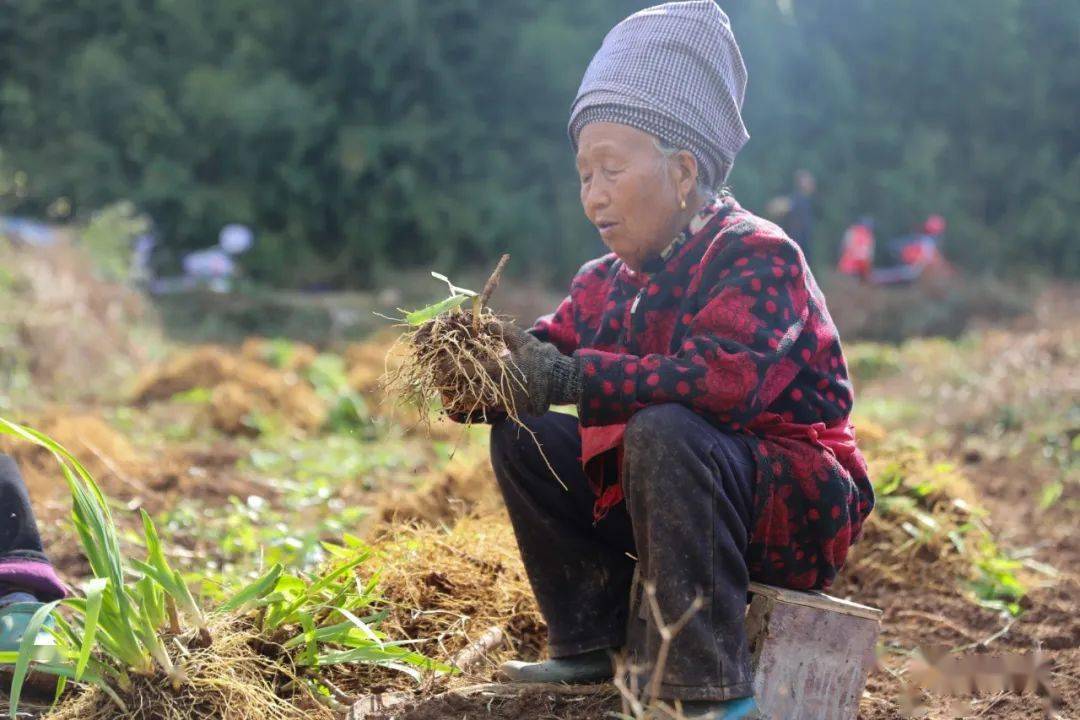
[1011, 385]
[239, 386]
[534, 704]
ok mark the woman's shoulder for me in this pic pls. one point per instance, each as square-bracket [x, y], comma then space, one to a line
[596, 270]
[742, 233]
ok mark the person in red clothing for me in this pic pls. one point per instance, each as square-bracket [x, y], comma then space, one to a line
[857, 253]
[712, 444]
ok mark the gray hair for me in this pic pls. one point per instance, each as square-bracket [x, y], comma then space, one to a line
[669, 151]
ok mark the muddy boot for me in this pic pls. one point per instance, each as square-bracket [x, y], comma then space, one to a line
[741, 709]
[587, 667]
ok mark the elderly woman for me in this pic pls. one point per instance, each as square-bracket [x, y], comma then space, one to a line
[712, 443]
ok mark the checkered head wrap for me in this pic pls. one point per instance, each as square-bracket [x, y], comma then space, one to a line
[675, 71]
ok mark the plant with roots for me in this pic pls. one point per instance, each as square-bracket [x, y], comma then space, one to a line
[455, 355]
[458, 356]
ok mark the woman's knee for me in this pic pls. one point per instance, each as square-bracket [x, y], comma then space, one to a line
[663, 441]
[657, 428]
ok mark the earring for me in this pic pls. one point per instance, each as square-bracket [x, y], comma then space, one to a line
[682, 203]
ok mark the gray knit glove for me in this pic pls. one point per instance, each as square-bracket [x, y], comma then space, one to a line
[549, 377]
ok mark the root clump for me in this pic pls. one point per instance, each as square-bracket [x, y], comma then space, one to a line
[450, 358]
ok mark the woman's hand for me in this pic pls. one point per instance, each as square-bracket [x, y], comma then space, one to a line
[539, 375]
[533, 374]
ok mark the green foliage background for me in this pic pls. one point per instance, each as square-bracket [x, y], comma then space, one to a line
[357, 136]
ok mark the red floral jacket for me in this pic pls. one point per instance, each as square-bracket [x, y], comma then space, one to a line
[729, 322]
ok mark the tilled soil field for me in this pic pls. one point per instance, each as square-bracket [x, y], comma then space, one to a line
[982, 434]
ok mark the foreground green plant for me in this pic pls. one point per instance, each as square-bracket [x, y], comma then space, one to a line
[128, 623]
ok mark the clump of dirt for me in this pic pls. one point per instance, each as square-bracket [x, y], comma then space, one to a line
[239, 388]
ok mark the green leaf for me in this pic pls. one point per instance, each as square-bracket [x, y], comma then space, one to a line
[1050, 494]
[419, 317]
[311, 649]
[254, 592]
[95, 596]
[454, 289]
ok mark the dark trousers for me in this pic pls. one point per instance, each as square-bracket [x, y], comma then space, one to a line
[686, 520]
[19, 538]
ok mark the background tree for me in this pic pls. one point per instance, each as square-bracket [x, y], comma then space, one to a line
[361, 135]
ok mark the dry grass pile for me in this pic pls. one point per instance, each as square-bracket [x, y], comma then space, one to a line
[466, 486]
[72, 329]
[447, 586]
[235, 678]
[239, 388]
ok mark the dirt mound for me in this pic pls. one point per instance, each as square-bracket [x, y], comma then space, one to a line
[283, 355]
[931, 307]
[106, 453]
[239, 389]
[134, 476]
[924, 533]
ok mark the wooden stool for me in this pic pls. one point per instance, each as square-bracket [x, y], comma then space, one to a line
[810, 652]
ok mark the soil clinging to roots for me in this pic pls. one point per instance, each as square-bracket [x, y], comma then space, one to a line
[458, 358]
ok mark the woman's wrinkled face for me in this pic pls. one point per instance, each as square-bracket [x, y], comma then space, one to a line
[630, 190]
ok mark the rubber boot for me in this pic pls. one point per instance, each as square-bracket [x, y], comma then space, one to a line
[14, 619]
[587, 667]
